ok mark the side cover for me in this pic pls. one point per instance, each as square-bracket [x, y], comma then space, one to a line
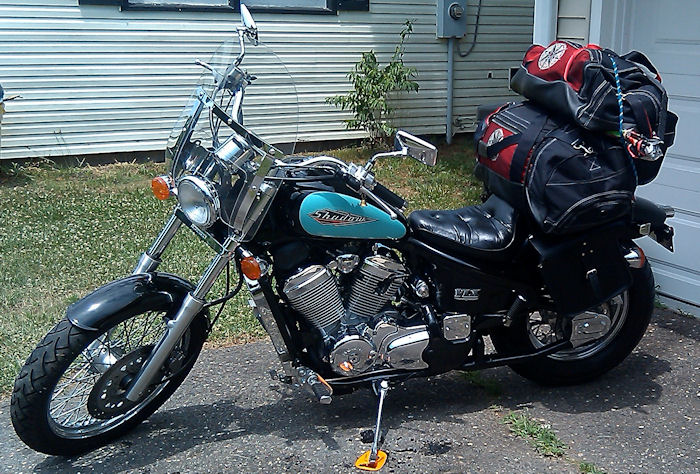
[119, 300]
[583, 272]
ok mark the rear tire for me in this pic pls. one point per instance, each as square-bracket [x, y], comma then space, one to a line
[61, 352]
[557, 370]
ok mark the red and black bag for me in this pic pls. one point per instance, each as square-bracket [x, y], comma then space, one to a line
[567, 179]
[579, 84]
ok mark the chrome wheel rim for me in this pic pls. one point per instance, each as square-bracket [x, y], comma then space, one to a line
[545, 328]
[68, 413]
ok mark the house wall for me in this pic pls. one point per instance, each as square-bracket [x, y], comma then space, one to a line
[573, 20]
[94, 79]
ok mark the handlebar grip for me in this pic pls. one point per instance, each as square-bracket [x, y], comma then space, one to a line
[353, 183]
[389, 196]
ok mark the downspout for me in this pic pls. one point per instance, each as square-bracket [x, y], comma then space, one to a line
[450, 86]
[450, 69]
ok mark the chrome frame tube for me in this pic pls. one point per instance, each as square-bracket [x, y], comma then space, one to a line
[150, 259]
[263, 312]
[191, 307]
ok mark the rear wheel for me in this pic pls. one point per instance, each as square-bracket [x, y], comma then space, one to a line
[70, 395]
[628, 314]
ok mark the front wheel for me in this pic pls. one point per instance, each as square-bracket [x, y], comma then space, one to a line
[629, 314]
[69, 396]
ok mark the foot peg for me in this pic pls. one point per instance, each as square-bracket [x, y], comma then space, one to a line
[314, 384]
[374, 459]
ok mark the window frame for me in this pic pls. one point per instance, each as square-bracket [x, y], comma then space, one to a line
[333, 7]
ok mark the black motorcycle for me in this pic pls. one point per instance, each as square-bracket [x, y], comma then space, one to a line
[351, 292]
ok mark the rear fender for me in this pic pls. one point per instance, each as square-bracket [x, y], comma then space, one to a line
[649, 219]
[121, 299]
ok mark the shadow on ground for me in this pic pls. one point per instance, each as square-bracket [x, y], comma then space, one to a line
[271, 410]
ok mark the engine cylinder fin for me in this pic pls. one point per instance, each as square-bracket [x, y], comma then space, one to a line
[314, 293]
[377, 283]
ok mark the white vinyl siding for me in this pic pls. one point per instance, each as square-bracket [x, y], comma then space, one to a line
[573, 20]
[95, 79]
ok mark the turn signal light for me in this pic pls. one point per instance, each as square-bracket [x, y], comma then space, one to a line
[251, 268]
[635, 257]
[160, 186]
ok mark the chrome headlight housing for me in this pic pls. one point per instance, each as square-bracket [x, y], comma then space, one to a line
[198, 200]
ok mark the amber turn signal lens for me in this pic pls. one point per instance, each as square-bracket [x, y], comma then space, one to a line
[160, 187]
[251, 268]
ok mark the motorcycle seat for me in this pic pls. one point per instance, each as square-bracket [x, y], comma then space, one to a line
[483, 231]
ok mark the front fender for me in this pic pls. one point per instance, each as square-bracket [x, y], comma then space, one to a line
[121, 299]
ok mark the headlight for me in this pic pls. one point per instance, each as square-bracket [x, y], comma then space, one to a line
[198, 200]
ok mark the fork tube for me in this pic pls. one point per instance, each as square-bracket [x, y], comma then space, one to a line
[150, 259]
[191, 307]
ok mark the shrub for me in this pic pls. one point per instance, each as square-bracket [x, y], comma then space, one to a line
[369, 101]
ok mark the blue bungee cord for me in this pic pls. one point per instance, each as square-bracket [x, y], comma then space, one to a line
[622, 111]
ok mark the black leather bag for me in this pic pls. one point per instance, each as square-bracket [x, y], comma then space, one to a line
[577, 183]
[568, 180]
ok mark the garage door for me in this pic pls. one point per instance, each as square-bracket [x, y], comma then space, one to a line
[669, 33]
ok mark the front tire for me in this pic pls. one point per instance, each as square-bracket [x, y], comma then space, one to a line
[590, 361]
[70, 369]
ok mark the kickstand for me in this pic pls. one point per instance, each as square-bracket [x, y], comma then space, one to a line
[374, 459]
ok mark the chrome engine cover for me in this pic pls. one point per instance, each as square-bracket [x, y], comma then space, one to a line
[388, 345]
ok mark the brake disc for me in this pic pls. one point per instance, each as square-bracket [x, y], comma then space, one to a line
[108, 397]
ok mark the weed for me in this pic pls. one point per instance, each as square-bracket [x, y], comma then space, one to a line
[658, 304]
[589, 468]
[685, 313]
[490, 386]
[538, 433]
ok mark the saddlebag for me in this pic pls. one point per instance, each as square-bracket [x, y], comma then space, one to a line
[579, 85]
[567, 179]
[584, 272]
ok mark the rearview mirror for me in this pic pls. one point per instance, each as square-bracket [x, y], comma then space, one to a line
[414, 147]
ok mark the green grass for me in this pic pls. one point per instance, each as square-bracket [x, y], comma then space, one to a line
[67, 230]
[536, 432]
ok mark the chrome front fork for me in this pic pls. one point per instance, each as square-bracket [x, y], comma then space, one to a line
[150, 259]
[191, 306]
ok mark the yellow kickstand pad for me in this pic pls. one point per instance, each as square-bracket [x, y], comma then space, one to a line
[364, 463]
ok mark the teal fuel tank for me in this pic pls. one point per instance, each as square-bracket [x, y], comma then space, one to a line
[327, 214]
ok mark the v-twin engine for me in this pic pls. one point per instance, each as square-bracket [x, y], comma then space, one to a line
[362, 328]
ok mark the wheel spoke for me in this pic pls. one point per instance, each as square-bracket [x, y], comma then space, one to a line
[69, 402]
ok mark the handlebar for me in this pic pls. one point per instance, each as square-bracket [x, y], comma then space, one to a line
[388, 196]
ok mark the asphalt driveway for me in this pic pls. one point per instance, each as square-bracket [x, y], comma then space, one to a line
[644, 416]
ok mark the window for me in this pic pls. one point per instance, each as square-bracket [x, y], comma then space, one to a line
[182, 4]
[282, 6]
[197, 3]
[290, 4]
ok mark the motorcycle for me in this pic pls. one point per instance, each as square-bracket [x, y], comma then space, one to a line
[352, 292]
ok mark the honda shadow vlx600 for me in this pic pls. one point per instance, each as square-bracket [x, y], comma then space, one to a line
[351, 291]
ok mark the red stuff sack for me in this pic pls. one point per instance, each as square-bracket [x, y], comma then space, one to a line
[561, 61]
[579, 84]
